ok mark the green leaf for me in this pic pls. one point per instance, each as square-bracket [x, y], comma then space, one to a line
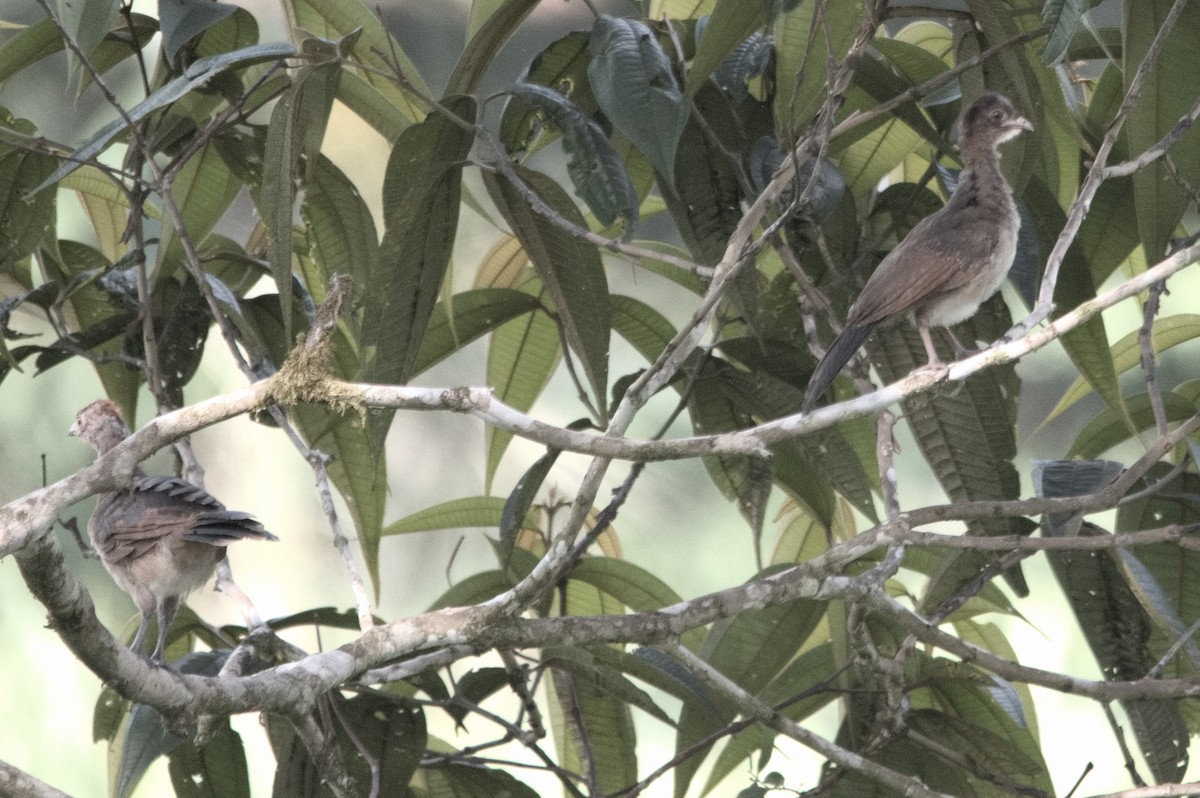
[598, 727]
[595, 169]
[704, 200]
[86, 22]
[184, 20]
[647, 330]
[340, 229]
[486, 38]
[296, 129]
[729, 25]
[1126, 353]
[27, 47]
[635, 86]
[375, 95]
[801, 676]
[561, 67]
[203, 191]
[751, 650]
[966, 436]
[421, 191]
[195, 76]
[605, 679]
[1166, 95]
[214, 771]
[25, 223]
[475, 589]
[1087, 344]
[475, 313]
[520, 501]
[1062, 17]
[522, 357]
[571, 270]
[378, 737]
[468, 781]
[796, 102]
[474, 511]
[1108, 428]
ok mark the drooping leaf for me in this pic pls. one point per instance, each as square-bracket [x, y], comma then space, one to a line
[520, 501]
[485, 41]
[475, 511]
[599, 731]
[632, 80]
[799, 52]
[561, 67]
[25, 223]
[729, 26]
[87, 22]
[595, 169]
[1062, 17]
[340, 229]
[570, 269]
[374, 96]
[195, 76]
[475, 313]
[1165, 97]
[184, 20]
[751, 650]
[422, 187]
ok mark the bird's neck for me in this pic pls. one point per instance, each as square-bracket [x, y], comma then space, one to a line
[981, 172]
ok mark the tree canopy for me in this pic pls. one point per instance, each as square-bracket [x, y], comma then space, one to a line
[677, 206]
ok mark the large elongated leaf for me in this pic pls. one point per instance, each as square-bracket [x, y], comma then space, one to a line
[87, 22]
[570, 269]
[392, 107]
[24, 223]
[633, 82]
[203, 191]
[195, 76]
[967, 437]
[340, 229]
[751, 650]
[1087, 344]
[731, 23]
[1113, 620]
[184, 20]
[475, 313]
[595, 168]
[297, 127]
[591, 722]
[562, 67]
[486, 39]
[421, 191]
[1167, 94]
[800, 50]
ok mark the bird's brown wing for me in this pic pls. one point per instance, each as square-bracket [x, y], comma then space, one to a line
[129, 523]
[934, 259]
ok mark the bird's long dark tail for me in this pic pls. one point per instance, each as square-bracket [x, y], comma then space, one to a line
[836, 358]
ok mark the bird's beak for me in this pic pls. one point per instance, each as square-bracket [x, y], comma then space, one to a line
[1020, 123]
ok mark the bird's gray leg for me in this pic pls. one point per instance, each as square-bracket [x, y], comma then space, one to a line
[166, 612]
[930, 350]
[136, 645]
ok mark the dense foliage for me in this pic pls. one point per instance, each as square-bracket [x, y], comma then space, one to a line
[757, 157]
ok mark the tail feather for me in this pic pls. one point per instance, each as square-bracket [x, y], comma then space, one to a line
[836, 358]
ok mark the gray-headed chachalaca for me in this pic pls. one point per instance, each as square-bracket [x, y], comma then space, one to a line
[953, 259]
[161, 537]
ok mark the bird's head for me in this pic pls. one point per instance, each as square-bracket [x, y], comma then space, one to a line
[989, 121]
[101, 425]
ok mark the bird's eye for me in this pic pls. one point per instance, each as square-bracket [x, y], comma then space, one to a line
[997, 114]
